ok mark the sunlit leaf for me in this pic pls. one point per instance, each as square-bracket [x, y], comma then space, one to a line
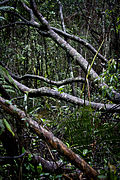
[7, 125]
[85, 151]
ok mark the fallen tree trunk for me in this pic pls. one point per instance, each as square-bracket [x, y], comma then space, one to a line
[45, 91]
[51, 139]
[93, 76]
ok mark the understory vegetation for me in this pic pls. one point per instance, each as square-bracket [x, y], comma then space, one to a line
[59, 90]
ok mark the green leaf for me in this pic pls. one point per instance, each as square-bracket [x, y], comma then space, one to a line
[39, 168]
[7, 125]
[5, 74]
[101, 176]
[25, 1]
[23, 149]
[85, 151]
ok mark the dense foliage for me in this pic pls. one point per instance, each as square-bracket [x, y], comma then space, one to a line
[83, 113]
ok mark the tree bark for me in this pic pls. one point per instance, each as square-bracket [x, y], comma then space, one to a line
[74, 54]
[50, 138]
[44, 91]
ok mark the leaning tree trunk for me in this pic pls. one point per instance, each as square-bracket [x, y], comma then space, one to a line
[50, 138]
[74, 54]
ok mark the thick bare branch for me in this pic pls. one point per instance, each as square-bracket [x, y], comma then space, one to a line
[39, 15]
[73, 53]
[81, 41]
[44, 91]
[51, 139]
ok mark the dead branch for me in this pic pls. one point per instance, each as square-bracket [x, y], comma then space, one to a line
[56, 83]
[45, 91]
[50, 138]
[93, 76]
[81, 41]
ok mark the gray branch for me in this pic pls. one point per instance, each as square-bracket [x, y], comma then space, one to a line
[56, 83]
[81, 41]
[45, 91]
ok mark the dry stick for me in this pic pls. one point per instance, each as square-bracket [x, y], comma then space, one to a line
[51, 139]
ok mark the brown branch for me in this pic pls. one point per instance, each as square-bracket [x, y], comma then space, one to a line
[51, 139]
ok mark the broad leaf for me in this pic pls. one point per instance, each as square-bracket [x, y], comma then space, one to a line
[7, 125]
